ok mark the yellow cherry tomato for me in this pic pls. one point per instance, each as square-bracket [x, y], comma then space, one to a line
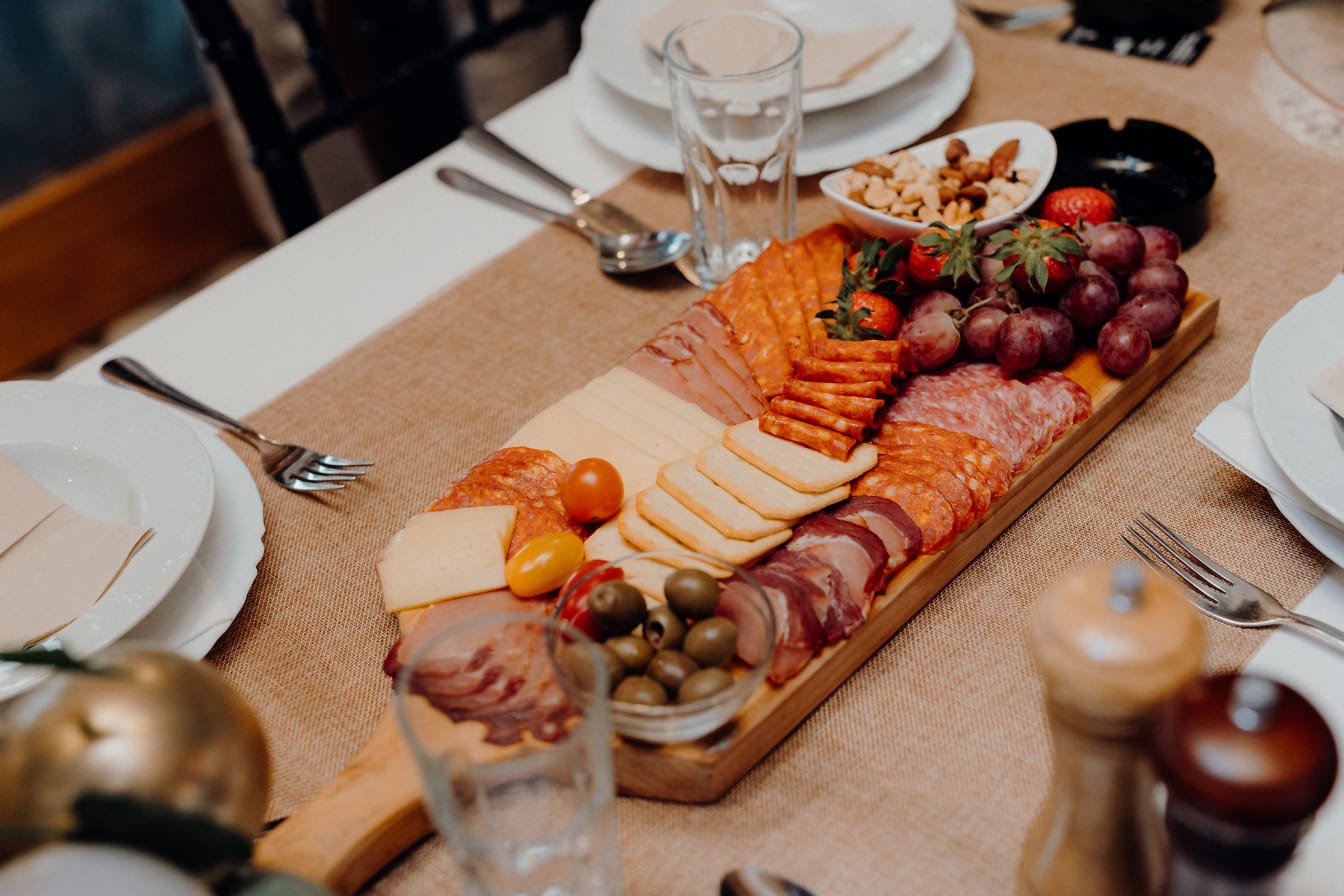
[544, 563]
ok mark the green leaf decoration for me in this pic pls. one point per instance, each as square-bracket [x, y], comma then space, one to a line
[46, 656]
[194, 842]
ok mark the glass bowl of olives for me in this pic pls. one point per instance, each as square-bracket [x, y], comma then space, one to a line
[686, 639]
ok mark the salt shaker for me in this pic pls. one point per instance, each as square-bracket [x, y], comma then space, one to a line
[1112, 643]
[1246, 762]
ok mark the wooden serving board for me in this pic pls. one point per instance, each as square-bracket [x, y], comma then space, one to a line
[372, 812]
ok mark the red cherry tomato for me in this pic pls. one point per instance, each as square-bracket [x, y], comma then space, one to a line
[592, 490]
[575, 595]
[543, 564]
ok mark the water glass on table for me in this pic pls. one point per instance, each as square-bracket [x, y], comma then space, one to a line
[736, 84]
[508, 718]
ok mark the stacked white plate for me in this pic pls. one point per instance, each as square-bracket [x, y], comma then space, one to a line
[120, 457]
[1303, 436]
[621, 98]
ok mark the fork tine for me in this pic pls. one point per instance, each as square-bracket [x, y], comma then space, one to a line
[308, 475]
[303, 485]
[332, 460]
[1173, 563]
[1204, 560]
[317, 466]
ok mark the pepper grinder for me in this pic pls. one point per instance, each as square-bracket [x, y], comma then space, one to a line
[1112, 643]
[1247, 762]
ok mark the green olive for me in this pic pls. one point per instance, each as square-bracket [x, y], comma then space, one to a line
[664, 629]
[711, 642]
[578, 665]
[670, 668]
[705, 683]
[692, 593]
[633, 650]
[617, 606]
[638, 689]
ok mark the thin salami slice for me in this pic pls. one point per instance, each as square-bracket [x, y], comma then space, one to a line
[810, 413]
[980, 464]
[782, 299]
[804, 271]
[865, 389]
[937, 470]
[921, 502]
[818, 438]
[743, 301]
[828, 246]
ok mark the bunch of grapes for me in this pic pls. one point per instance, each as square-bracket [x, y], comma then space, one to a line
[1043, 289]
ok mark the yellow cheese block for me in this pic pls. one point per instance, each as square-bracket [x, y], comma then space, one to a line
[674, 518]
[761, 491]
[573, 436]
[648, 537]
[446, 554]
[709, 501]
[657, 396]
[797, 465]
[639, 433]
[690, 436]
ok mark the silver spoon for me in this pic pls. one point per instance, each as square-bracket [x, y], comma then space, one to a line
[621, 253]
[755, 882]
[1021, 18]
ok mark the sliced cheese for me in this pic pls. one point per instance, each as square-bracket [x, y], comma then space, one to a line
[712, 503]
[446, 554]
[648, 537]
[759, 490]
[643, 436]
[656, 417]
[573, 436]
[674, 518]
[607, 543]
[659, 397]
[797, 465]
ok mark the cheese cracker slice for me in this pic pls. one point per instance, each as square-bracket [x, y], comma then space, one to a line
[796, 465]
[715, 506]
[674, 518]
[759, 490]
[648, 537]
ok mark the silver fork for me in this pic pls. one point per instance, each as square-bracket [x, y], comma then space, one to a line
[1218, 591]
[297, 468]
[1022, 18]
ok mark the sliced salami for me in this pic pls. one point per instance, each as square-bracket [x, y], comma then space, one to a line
[782, 299]
[922, 503]
[810, 413]
[743, 301]
[980, 465]
[855, 407]
[938, 470]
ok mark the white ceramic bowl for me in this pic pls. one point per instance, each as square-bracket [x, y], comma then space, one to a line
[1035, 150]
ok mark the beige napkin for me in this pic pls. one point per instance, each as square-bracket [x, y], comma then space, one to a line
[1329, 387]
[54, 562]
[830, 58]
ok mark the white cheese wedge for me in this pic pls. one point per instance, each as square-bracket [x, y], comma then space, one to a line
[759, 490]
[446, 554]
[797, 465]
[573, 436]
[648, 537]
[712, 503]
[659, 397]
[643, 436]
[690, 436]
[674, 518]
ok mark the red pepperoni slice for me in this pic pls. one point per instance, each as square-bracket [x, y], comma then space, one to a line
[921, 502]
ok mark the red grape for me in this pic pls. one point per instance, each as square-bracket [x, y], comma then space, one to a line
[1090, 301]
[933, 302]
[1157, 312]
[988, 268]
[980, 333]
[1057, 337]
[1019, 345]
[1116, 246]
[1123, 346]
[1000, 295]
[1160, 275]
[1092, 269]
[933, 339]
[1159, 242]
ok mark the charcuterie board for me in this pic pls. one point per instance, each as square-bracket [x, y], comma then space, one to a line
[371, 812]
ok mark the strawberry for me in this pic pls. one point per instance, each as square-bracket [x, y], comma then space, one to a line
[1039, 256]
[1075, 204]
[863, 308]
[943, 258]
[877, 266]
[882, 315]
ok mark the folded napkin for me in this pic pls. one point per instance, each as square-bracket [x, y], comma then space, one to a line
[55, 563]
[1329, 387]
[830, 58]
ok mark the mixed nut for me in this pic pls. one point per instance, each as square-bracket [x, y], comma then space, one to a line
[968, 187]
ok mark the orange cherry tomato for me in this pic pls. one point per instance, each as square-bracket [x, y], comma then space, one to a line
[592, 490]
[543, 564]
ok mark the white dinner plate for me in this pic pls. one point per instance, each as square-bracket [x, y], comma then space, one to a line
[611, 40]
[115, 457]
[1303, 436]
[1320, 535]
[831, 139]
[210, 594]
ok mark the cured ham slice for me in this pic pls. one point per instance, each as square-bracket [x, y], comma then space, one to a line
[671, 371]
[820, 416]
[798, 635]
[835, 607]
[818, 438]
[746, 401]
[720, 335]
[857, 554]
[885, 519]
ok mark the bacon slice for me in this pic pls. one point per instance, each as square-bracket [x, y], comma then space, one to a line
[885, 519]
[818, 438]
[855, 407]
[887, 351]
[818, 370]
[810, 413]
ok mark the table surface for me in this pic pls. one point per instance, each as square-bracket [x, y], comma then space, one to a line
[248, 338]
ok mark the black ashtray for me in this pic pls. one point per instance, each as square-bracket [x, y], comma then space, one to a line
[1158, 174]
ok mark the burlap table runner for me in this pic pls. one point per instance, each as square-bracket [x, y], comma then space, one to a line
[920, 774]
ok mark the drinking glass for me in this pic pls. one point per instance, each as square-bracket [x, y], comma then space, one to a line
[736, 83]
[508, 718]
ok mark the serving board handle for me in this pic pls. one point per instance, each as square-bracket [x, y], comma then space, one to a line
[368, 815]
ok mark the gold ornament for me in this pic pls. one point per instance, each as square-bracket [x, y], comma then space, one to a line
[147, 724]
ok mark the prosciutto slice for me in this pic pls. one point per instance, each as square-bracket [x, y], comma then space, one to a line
[885, 519]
